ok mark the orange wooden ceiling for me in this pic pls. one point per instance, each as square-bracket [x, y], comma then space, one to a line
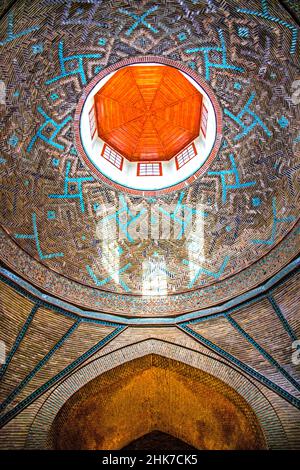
[148, 112]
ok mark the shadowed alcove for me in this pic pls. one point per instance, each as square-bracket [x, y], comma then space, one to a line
[156, 403]
[157, 440]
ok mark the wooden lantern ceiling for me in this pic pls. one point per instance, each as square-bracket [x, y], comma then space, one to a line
[148, 113]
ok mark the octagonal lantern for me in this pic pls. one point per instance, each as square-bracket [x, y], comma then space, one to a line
[148, 113]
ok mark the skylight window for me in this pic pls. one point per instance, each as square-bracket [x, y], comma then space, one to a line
[185, 156]
[149, 169]
[112, 156]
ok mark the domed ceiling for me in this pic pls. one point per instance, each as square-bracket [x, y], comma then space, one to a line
[219, 236]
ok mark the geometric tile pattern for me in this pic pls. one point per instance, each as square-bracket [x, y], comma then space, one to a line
[48, 140]
[139, 19]
[74, 62]
[11, 35]
[207, 51]
[232, 172]
[276, 221]
[246, 128]
[35, 237]
[70, 195]
[264, 12]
